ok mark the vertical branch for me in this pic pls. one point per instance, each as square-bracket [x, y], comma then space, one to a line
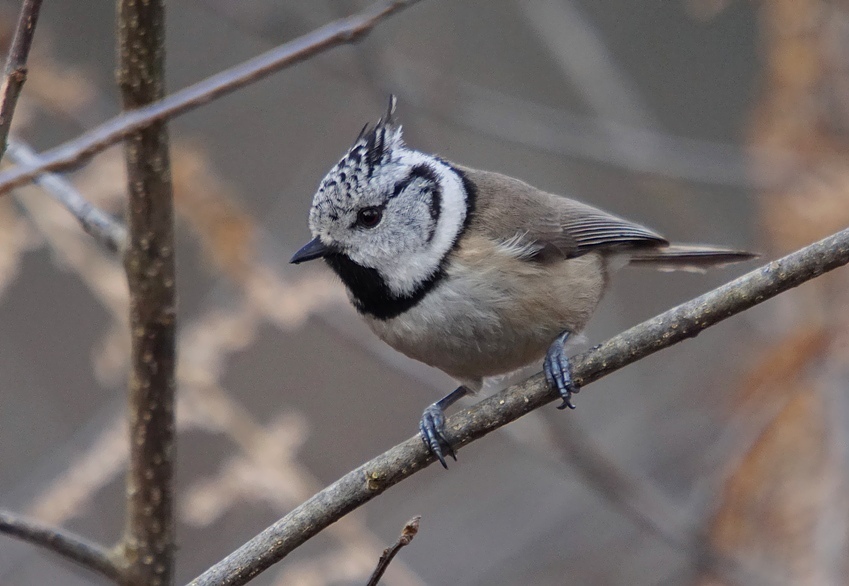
[15, 73]
[148, 545]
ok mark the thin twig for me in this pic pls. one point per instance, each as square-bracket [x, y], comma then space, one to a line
[78, 150]
[407, 533]
[148, 543]
[106, 230]
[372, 478]
[15, 73]
[61, 542]
[639, 500]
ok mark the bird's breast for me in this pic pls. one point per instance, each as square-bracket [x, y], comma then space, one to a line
[493, 313]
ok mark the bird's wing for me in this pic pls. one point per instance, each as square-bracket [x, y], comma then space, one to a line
[585, 228]
[510, 210]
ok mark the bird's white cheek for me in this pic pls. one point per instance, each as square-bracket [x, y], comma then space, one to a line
[404, 275]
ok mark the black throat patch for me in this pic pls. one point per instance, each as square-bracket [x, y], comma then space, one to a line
[371, 294]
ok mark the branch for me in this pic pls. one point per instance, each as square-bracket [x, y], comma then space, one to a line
[76, 151]
[372, 478]
[148, 543]
[61, 542]
[15, 73]
[106, 230]
[407, 533]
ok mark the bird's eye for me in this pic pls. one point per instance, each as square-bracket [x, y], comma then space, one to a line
[369, 217]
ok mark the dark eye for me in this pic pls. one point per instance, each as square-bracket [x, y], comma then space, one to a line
[369, 217]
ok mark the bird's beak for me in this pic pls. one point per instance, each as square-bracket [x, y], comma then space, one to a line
[312, 250]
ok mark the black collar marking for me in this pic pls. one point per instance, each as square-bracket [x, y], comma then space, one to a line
[426, 172]
[471, 199]
[370, 292]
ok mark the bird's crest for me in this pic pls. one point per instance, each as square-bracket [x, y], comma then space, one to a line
[375, 144]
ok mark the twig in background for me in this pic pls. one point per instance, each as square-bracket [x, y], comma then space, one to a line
[832, 530]
[581, 53]
[15, 73]
[60, 541]
[74, 152]
[533, 125]
[578, 48]
[374, 477]
[641, 502]
[147, 547]
[106, 230]
[407, 533]
[768, 389]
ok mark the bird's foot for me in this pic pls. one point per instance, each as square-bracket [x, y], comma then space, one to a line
[558, 371]
[432, 426]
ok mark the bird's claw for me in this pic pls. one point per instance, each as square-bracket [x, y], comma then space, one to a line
[432, 426]
[558, 371]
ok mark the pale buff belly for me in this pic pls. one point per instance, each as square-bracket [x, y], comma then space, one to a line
[477, 324]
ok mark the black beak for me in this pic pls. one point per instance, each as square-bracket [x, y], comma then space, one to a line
[312, 250]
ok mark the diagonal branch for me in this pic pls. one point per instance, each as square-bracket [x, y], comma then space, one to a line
[78, 150]
[61, 542]
[372, 478]
[106, 230]
[148, 545]
[15, 73]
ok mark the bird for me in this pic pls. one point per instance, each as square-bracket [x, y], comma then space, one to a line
[473, 272]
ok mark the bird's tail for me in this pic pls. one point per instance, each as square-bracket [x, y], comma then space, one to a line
[688, 257]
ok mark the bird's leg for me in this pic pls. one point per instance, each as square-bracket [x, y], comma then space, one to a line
[433, 424]
[558, 371]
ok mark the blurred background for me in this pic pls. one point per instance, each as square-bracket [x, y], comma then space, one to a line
[722, 460]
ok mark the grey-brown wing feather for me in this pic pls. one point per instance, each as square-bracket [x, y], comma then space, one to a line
[589, 229]
[560, 226]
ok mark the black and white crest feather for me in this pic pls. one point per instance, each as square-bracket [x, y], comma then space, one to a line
[374, 144]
